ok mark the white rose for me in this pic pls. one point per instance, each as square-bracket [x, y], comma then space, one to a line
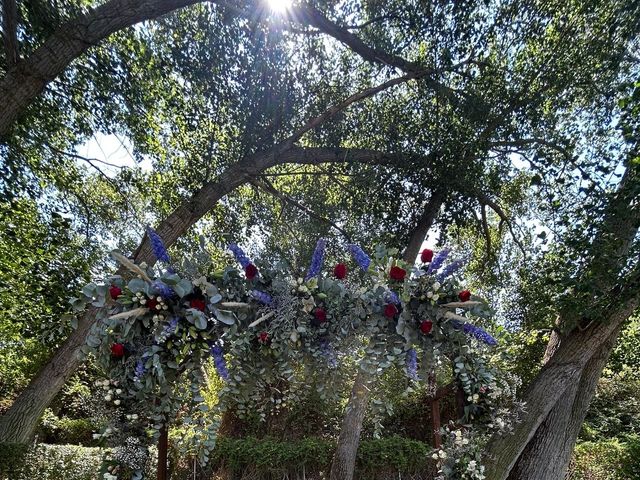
[436, 297]
[436, 286]
[116, 402]
[107, 398]
[429, 294]
[119, 391]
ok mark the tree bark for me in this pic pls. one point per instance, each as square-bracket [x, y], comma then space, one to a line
[27, 78]
[422, 228]
[555, 438]
[18, 424]
[344, 459]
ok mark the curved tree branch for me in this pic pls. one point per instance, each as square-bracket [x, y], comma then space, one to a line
[27, 78]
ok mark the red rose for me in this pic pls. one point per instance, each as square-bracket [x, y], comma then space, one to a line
[397, 273]
[198, 304]
[152, 303]
[251, 271]
[426, 255]
[320, 314]
[426, 326]
[117, 350]
[390, 310]
[340, 271]
[263, 338]
[464, 295]
[115, 291]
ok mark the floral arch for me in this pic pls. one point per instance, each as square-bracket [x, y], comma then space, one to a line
[264, 323]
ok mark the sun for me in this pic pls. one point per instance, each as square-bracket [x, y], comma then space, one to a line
[279, 5]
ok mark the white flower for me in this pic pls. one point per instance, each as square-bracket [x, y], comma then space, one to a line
[429, 294]
[118, 391]
[434, 456]
[107, 398]
[116, 402]
[159, 299]
[442, 454]
[436, 297]
[476, 397]
[436, 286]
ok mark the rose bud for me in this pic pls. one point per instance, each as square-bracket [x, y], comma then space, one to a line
[117, 350]
[340, 271]
[464, 295]
[390, 310]
[426, 326]
[397, 273]
[115, 291]
[251, 271]
[426, 256]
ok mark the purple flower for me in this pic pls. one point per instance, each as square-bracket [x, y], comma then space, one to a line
[359, 256]
[140, 370]
[438, 260]
[170, 328]
[475, 331]
[218, 360]
[157, 245]
[329, 353]
[316, 259]
[162, 289]
[262, 297]
[240, 255]
[391, 297]
[450, 269]
[412, 364]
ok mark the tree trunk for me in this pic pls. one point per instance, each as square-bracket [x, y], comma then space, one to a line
[18, 424]
[571, 374]
[422, 228]
[344, 460]
[548, 454]
[26, 80]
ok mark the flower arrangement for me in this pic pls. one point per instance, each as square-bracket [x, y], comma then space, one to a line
[259, 325]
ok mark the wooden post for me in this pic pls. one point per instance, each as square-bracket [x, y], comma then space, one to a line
[163, 446]
[435, 422]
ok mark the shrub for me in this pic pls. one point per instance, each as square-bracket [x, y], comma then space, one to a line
[59, 462]
[11, 457]
[613, 459]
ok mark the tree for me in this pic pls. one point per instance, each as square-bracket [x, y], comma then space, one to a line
[484, 91]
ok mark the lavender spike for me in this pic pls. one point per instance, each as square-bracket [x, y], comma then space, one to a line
[157, 245]
[316, 260]
[240, 255]
[359, 256]
[438, 260]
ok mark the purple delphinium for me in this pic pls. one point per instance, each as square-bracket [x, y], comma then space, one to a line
[359, 256]
[450, 269]
[240, 255]
[438, 260]
[218, 359]
[140, 370]
[391, 297]
[157, 245]
[316, 259]
[162, 289]
[329, 353]
[412, 364]
[262, 297]
[475, 331]
[170, 328]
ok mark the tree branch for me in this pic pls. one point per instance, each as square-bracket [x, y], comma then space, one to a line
[10, 31]
[485, 200]
[268, 187]
[424, 223]
[25, 80]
